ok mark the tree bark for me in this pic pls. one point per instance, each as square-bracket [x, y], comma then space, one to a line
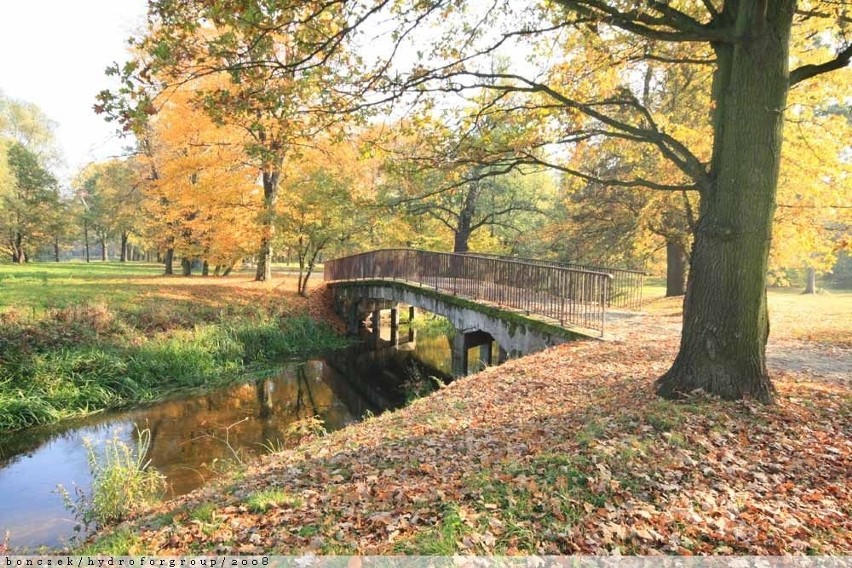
[169, 261]
[205, 269]
[465, 221]
[676, 263]
[56, 249]
[104, 251]
[186, 266]
[810, 285]
[306, 267]
[18, 254]
[86, 239]
[124, 245]
[725, 319]
[270, 200]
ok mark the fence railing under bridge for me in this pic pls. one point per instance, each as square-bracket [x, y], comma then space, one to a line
[567, 295]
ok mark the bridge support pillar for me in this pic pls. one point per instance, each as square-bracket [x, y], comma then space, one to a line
[485, 354]
[376, 320]
[459, 353]
[394, 316]
[354, 319]
[410, 314]
[394, 335]
[502, 356]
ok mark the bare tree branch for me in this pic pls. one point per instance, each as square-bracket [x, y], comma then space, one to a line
[669, 25]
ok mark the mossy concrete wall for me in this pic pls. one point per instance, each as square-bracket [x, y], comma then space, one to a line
[517, 333]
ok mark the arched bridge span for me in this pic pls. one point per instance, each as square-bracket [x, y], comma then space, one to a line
[524, 303]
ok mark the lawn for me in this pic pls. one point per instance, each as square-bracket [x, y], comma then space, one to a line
[39, 286]
[57, 285]
[77, 338]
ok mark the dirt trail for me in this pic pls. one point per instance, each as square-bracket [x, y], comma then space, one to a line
[824, 361]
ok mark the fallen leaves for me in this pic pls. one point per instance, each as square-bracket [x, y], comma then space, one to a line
[563, 452]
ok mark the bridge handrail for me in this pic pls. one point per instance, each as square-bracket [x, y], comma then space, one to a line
[569, 295]
[627, 284]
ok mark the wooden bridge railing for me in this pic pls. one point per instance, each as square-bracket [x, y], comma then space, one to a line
[569, 296]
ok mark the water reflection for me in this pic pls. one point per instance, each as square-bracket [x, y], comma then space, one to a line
[191, 435]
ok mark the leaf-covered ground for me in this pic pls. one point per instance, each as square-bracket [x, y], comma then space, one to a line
[565, 451]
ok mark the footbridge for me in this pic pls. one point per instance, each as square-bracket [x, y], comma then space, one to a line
[523, 304]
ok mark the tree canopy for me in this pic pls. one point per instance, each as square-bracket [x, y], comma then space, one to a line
[688, 99]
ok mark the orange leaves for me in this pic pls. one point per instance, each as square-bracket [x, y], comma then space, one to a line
[204, 197]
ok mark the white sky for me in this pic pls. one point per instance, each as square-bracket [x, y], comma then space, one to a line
[53, 53]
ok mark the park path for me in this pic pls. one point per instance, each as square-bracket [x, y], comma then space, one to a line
[825, 360]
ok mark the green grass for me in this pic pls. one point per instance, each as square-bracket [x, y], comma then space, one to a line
[46, 285]
[77, 338]
[262, 501]
[440, 540]
[121, 542]
[205, 513]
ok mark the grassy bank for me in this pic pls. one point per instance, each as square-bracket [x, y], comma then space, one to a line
[567, 451]
[80, 338]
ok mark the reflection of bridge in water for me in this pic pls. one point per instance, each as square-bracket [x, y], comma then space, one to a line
[525, 305]
[378, 369]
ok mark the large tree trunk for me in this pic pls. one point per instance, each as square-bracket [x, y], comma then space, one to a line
[104, 251]
[810, 285]
[124, 245]
[465, 220]
[725, 319]
[186, 266]
[270, 200]
[460, 240]
[169, 261]
[676, 262]
[56, 249]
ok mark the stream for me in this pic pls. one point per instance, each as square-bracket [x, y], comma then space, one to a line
[193, 435]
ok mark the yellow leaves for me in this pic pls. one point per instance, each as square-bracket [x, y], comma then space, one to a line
[814, 213]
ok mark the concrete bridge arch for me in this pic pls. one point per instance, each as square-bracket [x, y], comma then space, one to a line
[479, 324]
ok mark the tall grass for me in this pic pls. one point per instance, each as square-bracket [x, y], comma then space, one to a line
[122, 482]
[72, 362]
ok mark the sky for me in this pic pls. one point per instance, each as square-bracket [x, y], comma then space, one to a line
[53, 53]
